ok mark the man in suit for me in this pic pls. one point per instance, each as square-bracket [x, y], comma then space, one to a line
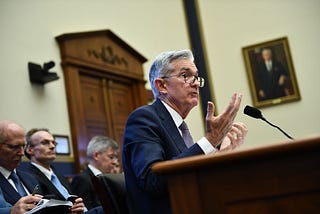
[23, 204]
[40, 149]
[103, 155]
[14, 183]
[271, 77]
[158, 132]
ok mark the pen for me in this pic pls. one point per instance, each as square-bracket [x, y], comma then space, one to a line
[35, 190]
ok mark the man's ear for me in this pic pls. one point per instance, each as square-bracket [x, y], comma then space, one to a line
[160, 85]
[29, 150]
[95, 155]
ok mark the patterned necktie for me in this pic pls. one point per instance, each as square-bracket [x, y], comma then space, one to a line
[59, 186]
[18, 184]
[187, 138]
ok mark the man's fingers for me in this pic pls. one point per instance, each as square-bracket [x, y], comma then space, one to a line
[234, 105]
[210, 109]
[241, 126]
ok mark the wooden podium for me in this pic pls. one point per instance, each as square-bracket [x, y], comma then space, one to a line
[282, 178]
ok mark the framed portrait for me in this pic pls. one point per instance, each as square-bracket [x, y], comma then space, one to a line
[62, 147]
[271, 73]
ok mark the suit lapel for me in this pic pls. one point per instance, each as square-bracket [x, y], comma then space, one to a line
[10, 194]
[45, 182]
[27, 180]
[170, 126]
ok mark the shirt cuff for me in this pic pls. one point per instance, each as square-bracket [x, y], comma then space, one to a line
[206, 146]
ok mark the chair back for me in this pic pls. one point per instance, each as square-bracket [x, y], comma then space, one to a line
[111, 191]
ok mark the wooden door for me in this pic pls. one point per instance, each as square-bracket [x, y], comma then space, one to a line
[107, 103]
[104, 83]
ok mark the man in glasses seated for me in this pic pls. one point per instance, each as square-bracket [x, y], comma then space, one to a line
[41, 150]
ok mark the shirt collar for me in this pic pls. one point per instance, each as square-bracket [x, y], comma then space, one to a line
[45, 171]
[94, 170]
[175, 115]
[6, 173]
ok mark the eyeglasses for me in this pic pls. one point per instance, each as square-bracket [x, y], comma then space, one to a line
[113, 157]
[16, 147]
[189, 78]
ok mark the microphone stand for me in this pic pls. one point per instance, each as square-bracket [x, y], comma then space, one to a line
[262, 118]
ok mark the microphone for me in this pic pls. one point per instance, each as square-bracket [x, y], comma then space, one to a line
[256, 113]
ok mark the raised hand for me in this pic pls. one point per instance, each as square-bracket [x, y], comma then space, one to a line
[217, 127]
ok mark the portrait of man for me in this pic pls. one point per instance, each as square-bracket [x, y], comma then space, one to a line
[271, 77]
[270, 72]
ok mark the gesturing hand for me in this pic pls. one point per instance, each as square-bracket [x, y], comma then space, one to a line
[235, 137]
[217, 127]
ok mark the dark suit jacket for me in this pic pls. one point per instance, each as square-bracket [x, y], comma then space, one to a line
[10, 194]
[268, 80]
[151, 136]
[46, 185]
[82, 186]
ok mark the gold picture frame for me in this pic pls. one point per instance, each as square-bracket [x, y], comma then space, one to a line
[271, 73]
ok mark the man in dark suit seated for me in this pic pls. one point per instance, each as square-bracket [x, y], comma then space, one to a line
[14, 183]
[103, 155]
[40, 149]
[158, 132]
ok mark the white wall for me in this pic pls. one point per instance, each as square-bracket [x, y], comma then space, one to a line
[229, 25]
[28, 28]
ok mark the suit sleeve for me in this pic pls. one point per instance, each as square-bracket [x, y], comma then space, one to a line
[147, 142]
[84, 191]
[4, 206]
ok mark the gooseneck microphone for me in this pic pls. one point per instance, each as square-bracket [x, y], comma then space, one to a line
[256, 113]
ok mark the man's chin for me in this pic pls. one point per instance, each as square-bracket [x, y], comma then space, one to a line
[195, 101]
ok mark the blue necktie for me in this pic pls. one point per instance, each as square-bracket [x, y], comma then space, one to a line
[59, 186]
[187, 138]
[18, 184]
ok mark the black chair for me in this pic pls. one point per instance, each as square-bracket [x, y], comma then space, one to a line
[111, 191]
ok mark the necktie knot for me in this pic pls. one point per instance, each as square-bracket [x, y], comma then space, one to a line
[13, 176]
[53, 177]
[183, 126]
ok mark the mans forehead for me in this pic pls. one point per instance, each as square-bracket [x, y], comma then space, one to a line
[184, 64]
[42, 134]
[20, 140]
[112, 150]
[188, 69]
[15, 135]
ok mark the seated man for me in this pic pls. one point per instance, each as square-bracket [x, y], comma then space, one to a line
[40, 149]
[103, 155]
[14, 183]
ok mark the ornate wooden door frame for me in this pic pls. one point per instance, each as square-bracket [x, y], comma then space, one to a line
[96, 53]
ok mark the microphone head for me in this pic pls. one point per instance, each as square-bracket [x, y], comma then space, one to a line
[252, 112]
